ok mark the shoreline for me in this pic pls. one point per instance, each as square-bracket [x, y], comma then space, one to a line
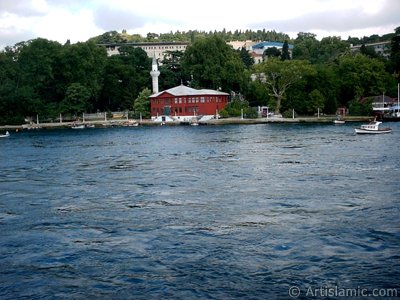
[148, 122]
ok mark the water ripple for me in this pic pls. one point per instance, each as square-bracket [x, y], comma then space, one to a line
[214, 213]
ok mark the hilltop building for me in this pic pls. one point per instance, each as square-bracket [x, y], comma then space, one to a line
[382, 48]
[257, 50]
[160, 50]
[237, 45]
[157, 49]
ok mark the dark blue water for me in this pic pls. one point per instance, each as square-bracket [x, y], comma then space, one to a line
[227, 212]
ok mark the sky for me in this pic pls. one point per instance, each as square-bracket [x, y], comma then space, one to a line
[79, 20]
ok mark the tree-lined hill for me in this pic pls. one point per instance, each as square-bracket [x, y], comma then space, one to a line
[190, 36]
[237, 35]
[46, 78]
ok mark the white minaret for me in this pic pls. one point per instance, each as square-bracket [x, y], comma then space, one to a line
[154, 74]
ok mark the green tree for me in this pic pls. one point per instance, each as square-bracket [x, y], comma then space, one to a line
[257, 95]
[359, 76]
[213, 64]
[83, 63]
[170, 70]
[10, 106]
[316, 101]
[330, 49]
[235, 108]
[37, 66]
[285, 51]
[272, 52]
[395, 52]
[246, 57]
[322, 78]
[125, 76]
[142, 104]
[357, 108]
[306, 47]
[278, 76]
[76, 99]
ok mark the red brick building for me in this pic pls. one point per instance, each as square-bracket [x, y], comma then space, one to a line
[183, 101]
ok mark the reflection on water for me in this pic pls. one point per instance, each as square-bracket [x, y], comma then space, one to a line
[198, 212]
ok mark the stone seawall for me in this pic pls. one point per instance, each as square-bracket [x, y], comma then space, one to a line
[226, 121]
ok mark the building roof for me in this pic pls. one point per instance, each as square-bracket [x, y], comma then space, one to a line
[140, 44]
[264, 45]
[182, 90]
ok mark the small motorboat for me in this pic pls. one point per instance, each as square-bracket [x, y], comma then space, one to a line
[372, 128]
[338, 122]
[78, 126]
[194, 122]
[7, 134]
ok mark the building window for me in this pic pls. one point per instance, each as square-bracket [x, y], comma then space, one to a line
[202, 100]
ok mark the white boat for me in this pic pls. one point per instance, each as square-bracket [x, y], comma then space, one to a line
[338, 121]
[130, 123]
[194, 122]
[7, 134]
[80, 126]
[372, 128]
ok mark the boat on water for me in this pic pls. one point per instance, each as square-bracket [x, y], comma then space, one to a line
[339, 119]
[194, 122]
[78, 126]
[338, 122]
[372, 128]
[7, 134]
[130, 123]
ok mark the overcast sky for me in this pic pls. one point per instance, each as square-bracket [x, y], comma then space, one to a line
[77, 20]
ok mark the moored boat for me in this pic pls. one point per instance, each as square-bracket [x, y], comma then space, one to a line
[7, 134]
[194, 122]
[78, 126]
[338, 121]
[372, 128]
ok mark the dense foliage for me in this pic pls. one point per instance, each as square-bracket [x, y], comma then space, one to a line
[239, 107]
[190, 36]
[45, 78]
